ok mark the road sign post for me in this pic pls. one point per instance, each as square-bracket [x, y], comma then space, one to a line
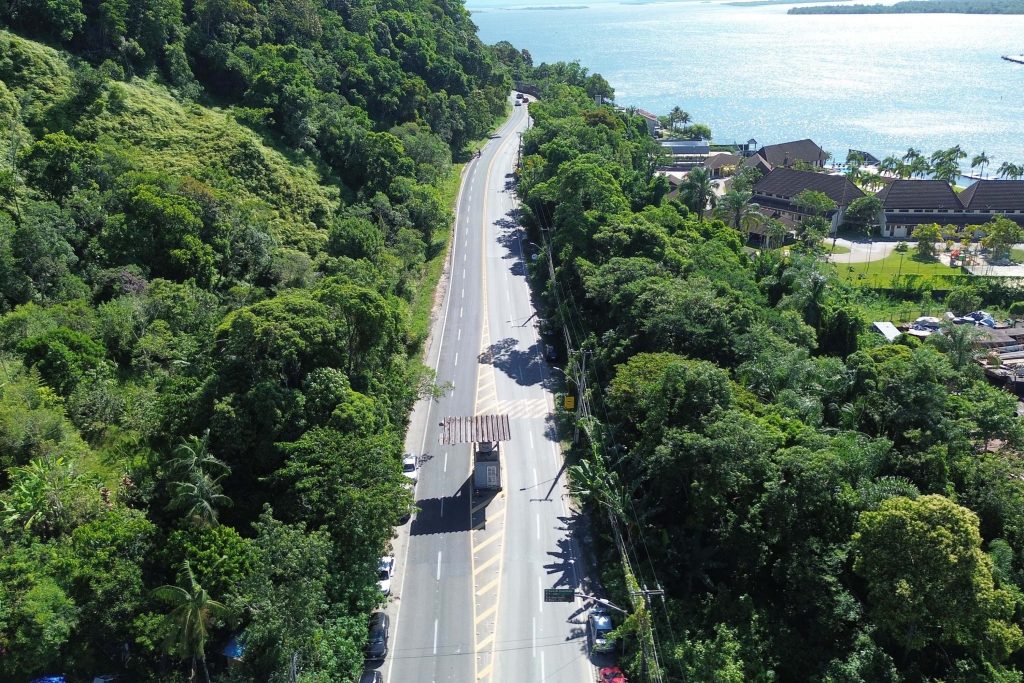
[559, 595]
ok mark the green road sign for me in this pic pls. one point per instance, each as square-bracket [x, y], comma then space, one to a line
[559, 595]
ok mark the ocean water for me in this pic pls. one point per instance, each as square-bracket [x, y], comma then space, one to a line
[880, 83]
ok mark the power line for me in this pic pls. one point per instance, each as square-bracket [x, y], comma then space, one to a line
[628, 551]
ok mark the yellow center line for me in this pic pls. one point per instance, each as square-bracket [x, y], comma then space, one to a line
[490, 540]
[486, 613]
[490, 584]
[486, 564]
[477, 645]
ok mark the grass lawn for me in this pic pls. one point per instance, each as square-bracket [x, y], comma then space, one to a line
[1017, 255]
[880, 273]
[837, 249]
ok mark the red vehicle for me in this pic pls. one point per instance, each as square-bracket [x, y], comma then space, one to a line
[611, 674]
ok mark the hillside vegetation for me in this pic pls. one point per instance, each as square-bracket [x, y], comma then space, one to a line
[214, 218]
[817, 505]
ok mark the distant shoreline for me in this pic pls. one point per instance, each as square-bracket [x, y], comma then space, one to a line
[918, 7]
[761, 3]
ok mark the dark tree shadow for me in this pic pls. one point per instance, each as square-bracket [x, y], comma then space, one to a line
[525, 366]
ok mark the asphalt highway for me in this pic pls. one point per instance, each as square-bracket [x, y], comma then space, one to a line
[467, 601]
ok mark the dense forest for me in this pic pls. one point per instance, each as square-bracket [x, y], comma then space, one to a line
[817, 504]
[921, 7]
[214, 223]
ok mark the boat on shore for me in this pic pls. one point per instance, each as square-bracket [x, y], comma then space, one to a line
[1017, 59]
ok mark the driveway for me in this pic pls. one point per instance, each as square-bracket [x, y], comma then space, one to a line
[862, 251]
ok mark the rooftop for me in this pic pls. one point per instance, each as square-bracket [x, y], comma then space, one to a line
[787, 183]
[919, 194]
[686, 146]
[787, 153]
[1004, 195]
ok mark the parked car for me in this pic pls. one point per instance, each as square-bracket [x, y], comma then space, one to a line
[371, 677]
[519, 95]
[385, 572]
[611, 674]
[410, 467]
[599, 628]
[377, 643]
[526, 100]
[518, 103]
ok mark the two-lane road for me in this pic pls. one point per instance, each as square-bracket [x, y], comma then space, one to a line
[468, 604]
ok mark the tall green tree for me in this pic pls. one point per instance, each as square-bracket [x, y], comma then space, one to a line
[188, 623]
[697, 192]
[737, 208]
[980, 160]
[1001, 234]
[927, 236]
[928, 582]
[195, 476]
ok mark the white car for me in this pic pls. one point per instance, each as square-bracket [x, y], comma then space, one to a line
[410, 468]
[384, 573]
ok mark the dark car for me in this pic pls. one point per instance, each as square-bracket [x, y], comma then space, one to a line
[371, 677]
[599, 627]
[377, 643]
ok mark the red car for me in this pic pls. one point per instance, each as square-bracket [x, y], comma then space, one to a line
[611, 674]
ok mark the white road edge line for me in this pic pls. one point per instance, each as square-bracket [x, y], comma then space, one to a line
[535, 636]
[437, 364]
[540, 592]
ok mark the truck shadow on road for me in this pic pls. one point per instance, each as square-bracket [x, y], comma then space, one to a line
[444, 515]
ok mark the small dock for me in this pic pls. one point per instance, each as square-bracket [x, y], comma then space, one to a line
[1016, 59]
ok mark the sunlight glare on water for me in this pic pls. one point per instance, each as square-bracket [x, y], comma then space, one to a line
[881, 83]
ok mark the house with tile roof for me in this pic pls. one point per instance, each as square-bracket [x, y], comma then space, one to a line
[652, 121]
[787, 154]
[995, 197]
[722, 163]
[775, 192]
[909, 203]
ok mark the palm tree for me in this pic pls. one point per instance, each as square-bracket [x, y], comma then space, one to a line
[188, 622]
[195, 487]
[1011, 171]
[677, 115]
[774, 230]
[737, 207]
[193, 454]
[980, 160]
[200, 498]
[919, 166]
[890, 164]
[911, 155]
[752, 219]
[872, 181]
[698, 192]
